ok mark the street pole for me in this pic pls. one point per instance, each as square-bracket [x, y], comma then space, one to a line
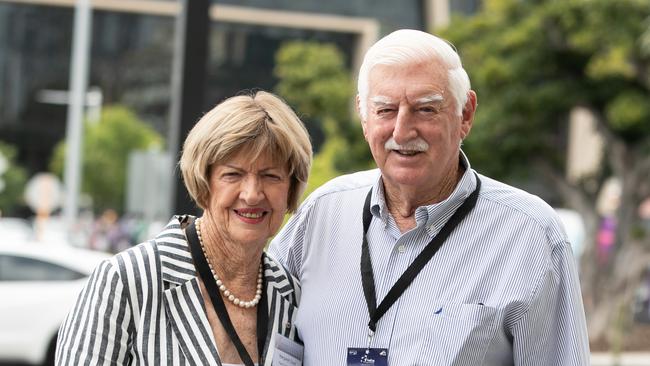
[74, 129]
[188, 86]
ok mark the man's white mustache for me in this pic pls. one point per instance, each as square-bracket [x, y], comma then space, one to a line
[414, 145]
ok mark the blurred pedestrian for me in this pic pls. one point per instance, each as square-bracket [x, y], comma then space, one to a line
[100, 238]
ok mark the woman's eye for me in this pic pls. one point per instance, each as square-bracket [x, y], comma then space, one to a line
[230, 175]
[272, 176]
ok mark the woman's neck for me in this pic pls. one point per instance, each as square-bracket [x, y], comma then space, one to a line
[236, 264]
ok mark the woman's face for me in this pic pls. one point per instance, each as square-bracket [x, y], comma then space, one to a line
[248, 198]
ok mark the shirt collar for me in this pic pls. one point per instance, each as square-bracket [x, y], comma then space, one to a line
[432, 216]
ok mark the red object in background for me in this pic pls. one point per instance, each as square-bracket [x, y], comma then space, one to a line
[606, 239]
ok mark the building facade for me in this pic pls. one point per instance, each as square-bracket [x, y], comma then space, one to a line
[132, 52]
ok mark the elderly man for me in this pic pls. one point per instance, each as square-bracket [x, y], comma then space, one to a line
[424, 261]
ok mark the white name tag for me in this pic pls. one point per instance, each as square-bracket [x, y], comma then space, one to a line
[287, 352]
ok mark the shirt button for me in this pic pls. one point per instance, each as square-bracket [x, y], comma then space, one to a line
[401, 248]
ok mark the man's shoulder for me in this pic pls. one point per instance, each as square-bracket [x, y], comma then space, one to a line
[518, 201]
[344, 184]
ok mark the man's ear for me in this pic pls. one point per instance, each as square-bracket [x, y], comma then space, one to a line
[361, 116]
[468, 114]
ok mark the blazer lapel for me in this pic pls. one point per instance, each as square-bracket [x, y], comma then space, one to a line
[183, 302]
[189, 323]
[282, 293]
[186, 314]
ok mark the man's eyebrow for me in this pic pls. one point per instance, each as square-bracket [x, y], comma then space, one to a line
[432, 98]
[381, 100]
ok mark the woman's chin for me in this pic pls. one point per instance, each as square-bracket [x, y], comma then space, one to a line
[252, 240]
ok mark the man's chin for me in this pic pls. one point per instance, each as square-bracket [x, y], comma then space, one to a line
[405, 177]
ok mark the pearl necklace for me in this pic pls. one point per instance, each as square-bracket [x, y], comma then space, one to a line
[226, 293]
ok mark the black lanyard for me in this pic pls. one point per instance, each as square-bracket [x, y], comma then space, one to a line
[201, 264]
[367, 278]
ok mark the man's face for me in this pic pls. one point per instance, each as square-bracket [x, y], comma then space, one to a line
[411, 105]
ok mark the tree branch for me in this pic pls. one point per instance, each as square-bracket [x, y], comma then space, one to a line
[573, 195]
[617, 148]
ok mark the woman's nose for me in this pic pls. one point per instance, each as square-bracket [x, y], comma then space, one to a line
[252, 191]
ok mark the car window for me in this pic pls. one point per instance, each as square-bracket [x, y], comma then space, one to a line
[17, 268]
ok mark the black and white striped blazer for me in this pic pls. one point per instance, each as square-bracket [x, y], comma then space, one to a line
[144, 307]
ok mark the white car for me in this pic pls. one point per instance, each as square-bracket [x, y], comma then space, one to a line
[15, 229]
[39, 283]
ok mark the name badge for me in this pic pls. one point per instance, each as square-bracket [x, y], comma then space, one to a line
[367, 357]
[287, 352]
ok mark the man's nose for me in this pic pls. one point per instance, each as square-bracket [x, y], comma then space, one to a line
[252, 190]
[404, 130]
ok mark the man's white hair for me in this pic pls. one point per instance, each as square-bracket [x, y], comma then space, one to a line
[407, 46]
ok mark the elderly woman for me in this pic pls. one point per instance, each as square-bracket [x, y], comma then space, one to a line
[204, 292]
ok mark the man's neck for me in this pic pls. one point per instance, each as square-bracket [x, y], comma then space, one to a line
[402, 201]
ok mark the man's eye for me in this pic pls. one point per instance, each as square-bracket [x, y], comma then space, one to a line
[384, 111]
[428, 110]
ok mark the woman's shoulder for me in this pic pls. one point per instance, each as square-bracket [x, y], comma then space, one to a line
[169, 240]
[136, 257]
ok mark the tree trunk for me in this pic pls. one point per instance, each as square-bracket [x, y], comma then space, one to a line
[608, 290]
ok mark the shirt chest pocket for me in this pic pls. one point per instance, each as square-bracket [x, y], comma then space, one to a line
[459, 334]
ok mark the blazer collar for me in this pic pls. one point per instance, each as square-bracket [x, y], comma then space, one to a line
[188, 321]
[177, 266]
[183, 297]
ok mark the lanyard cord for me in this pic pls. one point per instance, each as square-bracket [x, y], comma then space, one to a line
[202, 267]
[405, 280]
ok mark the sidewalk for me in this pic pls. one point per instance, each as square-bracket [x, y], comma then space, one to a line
[624, 359]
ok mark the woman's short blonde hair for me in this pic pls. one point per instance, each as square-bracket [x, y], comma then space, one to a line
[259, 124]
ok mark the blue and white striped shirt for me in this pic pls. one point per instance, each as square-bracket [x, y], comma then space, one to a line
[502, 290]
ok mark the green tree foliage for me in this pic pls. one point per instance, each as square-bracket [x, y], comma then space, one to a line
[13, 180]
[314, 80]
[106, 148]
[531, 63]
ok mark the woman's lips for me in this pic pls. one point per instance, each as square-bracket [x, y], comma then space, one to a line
[251, 216]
